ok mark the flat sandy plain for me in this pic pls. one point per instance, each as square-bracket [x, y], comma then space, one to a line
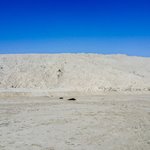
[106, 122]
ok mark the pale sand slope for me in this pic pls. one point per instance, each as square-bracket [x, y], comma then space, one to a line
[90, 123]
[84, 73]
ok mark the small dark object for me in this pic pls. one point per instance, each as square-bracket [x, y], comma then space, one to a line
[59, 70]
[60, 97]
[71, 99]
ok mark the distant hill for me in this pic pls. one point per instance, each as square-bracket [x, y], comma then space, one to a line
[75, 72]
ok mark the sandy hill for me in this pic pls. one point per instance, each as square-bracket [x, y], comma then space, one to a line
[75, 72]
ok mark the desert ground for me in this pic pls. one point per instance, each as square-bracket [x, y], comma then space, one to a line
[106, 122]
[110, 109]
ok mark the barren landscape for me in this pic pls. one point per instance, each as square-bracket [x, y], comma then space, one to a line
[74, 102]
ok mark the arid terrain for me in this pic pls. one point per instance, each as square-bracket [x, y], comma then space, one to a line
[115, 122]
[109, 107]
[84, 73]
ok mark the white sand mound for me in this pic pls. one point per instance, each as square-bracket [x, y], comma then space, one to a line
[75, 72]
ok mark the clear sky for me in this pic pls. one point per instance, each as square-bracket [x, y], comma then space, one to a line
[60, 26]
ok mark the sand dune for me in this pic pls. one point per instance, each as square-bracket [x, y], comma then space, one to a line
[88, 73]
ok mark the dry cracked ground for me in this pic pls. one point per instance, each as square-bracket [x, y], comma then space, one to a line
[112, 122]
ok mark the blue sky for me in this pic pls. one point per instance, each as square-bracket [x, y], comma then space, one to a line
[60, 26]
